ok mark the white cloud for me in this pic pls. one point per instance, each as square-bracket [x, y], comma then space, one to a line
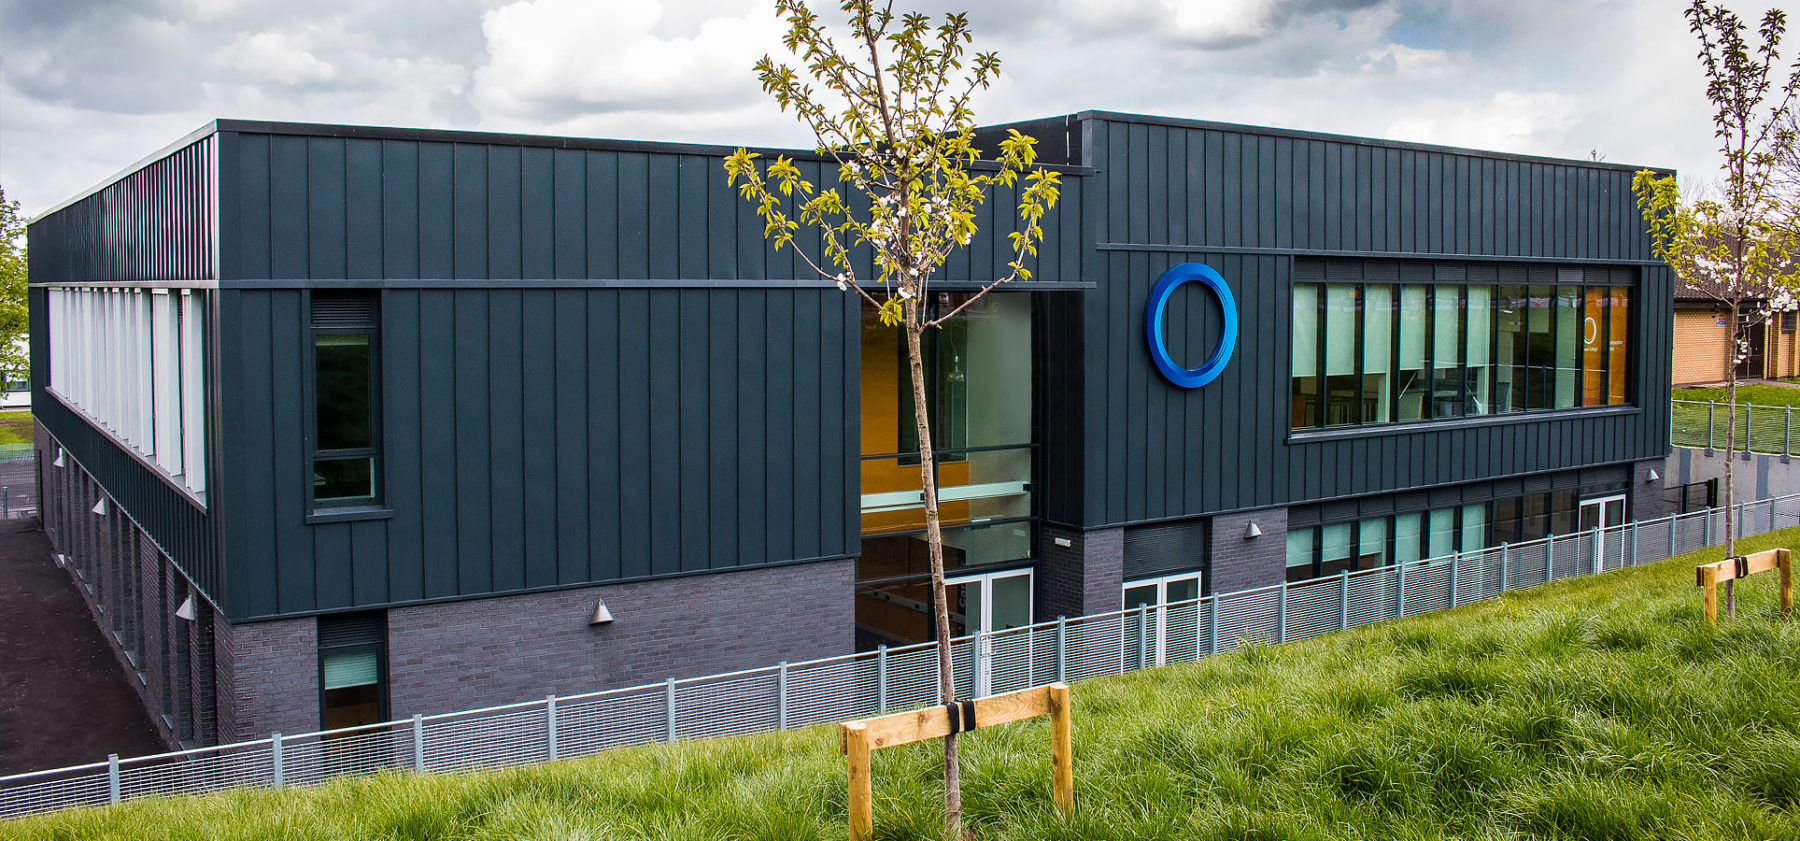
[1509, 121]
[279, 57]
[554, 60]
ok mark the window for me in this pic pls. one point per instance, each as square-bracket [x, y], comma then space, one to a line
[1787, 321]
[345, 354]
[133, 362]
[353, 688]
[983, 453]
[1386, 352]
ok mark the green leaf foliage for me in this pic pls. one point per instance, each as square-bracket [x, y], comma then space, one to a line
[15, 363]
[891, 111]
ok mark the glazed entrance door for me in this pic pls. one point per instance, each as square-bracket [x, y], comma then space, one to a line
[1600, 514]
[996, 601]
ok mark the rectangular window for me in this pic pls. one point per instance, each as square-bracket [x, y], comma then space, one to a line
[1335, 554]
[352, 678]
[1370, 353]
[1300, 553]
[1306, 356]
[345, 356]
[1372, 539]
[1568, 344]
[1787, 321]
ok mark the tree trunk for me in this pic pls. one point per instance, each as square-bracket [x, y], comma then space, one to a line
[1731, 383]
[934, 538]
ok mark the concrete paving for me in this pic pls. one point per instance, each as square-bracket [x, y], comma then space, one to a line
[64, 699]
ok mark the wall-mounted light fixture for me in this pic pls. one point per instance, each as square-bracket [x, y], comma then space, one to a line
[602, 616]
[186, 610]
[1652, 475]
[60, 559]
[59, 458]
[100, 507]
[1252, 531]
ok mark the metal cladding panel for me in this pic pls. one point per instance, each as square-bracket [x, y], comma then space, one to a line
[322, 203]
[154, 223]
[540, 437]
[1248, 203]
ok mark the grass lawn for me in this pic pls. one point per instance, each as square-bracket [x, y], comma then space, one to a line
[15, 427]
[1599, 708]
[1753, 395]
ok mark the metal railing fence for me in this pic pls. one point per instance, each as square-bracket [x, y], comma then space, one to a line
[791, 695]
[1760, 429]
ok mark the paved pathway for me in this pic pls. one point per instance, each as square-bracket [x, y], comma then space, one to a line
[63, 696]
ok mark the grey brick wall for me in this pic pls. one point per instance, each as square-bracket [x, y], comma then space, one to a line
[1648, 499]
[482, 652]
[1239, 563]
[274, 677]
[1083, 577]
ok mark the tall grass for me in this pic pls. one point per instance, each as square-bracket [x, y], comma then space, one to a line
[1597, 708]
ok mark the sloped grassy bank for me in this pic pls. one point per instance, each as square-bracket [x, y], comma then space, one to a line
[1600, 708]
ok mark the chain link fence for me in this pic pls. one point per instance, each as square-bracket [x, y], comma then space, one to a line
[791, 695]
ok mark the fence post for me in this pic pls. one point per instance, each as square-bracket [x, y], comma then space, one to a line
[1709, 519]
[275, 755]
[669, 708]
[1455, 561]
[1400, 588]
[1740, 520]
[1343, 599]
[550, 747]
[1062, 649]
[1634, 544]
[1748, 429]
[1674, 520]
[112, 778]
[418, 733]
[1143, 636]
[1212, 626]
[781, 680]
[881, 678]
[1787, 434]
[1503, 572]
[1710, 405]
[1281, 616]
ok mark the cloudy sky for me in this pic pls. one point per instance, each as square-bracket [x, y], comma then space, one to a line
[89, 86]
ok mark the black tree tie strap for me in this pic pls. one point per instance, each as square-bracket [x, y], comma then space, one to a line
[962, 716]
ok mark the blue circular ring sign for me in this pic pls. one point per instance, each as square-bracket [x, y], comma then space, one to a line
[1153, 324]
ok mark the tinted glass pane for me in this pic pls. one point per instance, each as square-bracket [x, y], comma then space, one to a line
[1372, 540]
[1182, 590]
[1593, 346]
[1443, 533]
[1335, 549]
[343, 479]
[342, 383]
[1474, 526]
[1407, 531]
[1414, 323]
[1305, 356]
[1568, 342]
[1449, 397]
[1300, 553]
[1343, 392]
[1618, 324]
[1140, 596]
[1378, 353]
[1509, 356]
[1540, 335]
[1480, 336]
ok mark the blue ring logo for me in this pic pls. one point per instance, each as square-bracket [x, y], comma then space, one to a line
[1153, 324]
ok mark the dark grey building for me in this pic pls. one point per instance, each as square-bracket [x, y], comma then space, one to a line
[343, 424]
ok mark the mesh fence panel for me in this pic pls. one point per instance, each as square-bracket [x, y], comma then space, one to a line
[1312, 608]
[865, 684]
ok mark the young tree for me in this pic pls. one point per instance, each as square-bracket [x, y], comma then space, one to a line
[891, 110]
[1732, 244]
[15, 363]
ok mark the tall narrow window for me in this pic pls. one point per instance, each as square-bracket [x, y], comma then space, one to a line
[1568, 343]
[345, 452]
[352, 679]
[1449, 394]
[1343, 402]
[1481, 336]
[1306, 356]
[1415, 324]
[1617, 322]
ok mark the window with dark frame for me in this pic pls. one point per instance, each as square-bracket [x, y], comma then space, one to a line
[345, 352]
[1787, 321]
[1407, 346]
